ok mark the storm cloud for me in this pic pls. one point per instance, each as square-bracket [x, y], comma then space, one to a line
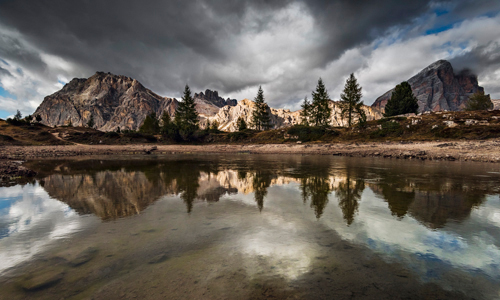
[235, 46]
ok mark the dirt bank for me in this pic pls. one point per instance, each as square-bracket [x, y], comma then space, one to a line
[480, 151]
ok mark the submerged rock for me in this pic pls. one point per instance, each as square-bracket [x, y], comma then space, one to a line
[158, 258]
[84, 257]
[42, 280]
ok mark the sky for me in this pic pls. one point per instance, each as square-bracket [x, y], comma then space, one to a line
[235, 46]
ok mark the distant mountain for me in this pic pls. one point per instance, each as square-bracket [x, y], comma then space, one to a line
[228, 116]
[114, 101]
[209, 103]
[438, 88]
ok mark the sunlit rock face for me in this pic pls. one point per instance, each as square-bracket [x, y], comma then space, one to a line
[228, 116]
[437, 88]
[114, 101]
[209, 103]
[496, 103]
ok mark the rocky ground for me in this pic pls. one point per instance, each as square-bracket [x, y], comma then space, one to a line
[476, 151]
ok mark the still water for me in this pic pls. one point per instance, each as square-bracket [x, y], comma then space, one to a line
[251, 227]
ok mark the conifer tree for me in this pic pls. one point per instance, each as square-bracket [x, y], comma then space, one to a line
[402, 101]
[320, 110]
[305, 114]
[166, 121]
[90, 123]
[260, 116]
[350, 101]
[18, 116]
[479, 101]
[150, 125]
[242, 125]
[186, 116]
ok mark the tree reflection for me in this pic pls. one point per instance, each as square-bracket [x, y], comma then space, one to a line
[315, 183]
[117, 188]
[261, 181]
[349, 193]
[316, 189]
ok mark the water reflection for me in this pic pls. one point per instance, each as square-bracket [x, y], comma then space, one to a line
[115, 189]
[286, 217]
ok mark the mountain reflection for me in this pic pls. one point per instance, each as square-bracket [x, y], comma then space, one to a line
[114, 189]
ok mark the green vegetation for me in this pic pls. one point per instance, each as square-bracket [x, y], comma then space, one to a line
[306, 112]
[242, 125]
[320, 111]
[150, 125]
[91, 123]
[402, 101]
[350, 102]
[260, 116]
[306, 133]
[186, 116]
[479, 101]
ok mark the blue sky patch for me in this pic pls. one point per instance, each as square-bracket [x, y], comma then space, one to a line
[6, 94]
[438, 29]
[440, 12]
[4, 114]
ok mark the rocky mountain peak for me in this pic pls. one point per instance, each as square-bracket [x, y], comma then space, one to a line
[437, 88]
[214, 98]
[114, 101]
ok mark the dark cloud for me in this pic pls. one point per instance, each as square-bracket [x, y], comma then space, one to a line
[481, 59]
[4, 72]
[135, 37]
[166, 44]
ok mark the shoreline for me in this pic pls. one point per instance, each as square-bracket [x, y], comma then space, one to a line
[11, 157]
[477, 151]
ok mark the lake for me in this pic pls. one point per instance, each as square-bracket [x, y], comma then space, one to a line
[251, 227]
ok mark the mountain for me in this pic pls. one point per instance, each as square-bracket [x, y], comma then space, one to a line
[227, 116]
[437, 88]
[122, 102]
[208, 104]
[114, 101]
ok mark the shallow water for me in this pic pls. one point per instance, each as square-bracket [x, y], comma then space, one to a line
[251, 227]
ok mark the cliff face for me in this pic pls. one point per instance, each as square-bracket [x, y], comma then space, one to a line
[114, 102]
[438, 88]
[227, 116]
[209, 103]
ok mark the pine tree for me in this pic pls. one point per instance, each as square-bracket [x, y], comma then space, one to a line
[320, 110]
[168, 128]
[402, 101]
[350, 101]
[260, 116]
[305, 114]
[90, 123]
[150, 125]
[479, 101]
[18, 116]
[38, 118]
[242, 125]
[165, 122]
[186, 116]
